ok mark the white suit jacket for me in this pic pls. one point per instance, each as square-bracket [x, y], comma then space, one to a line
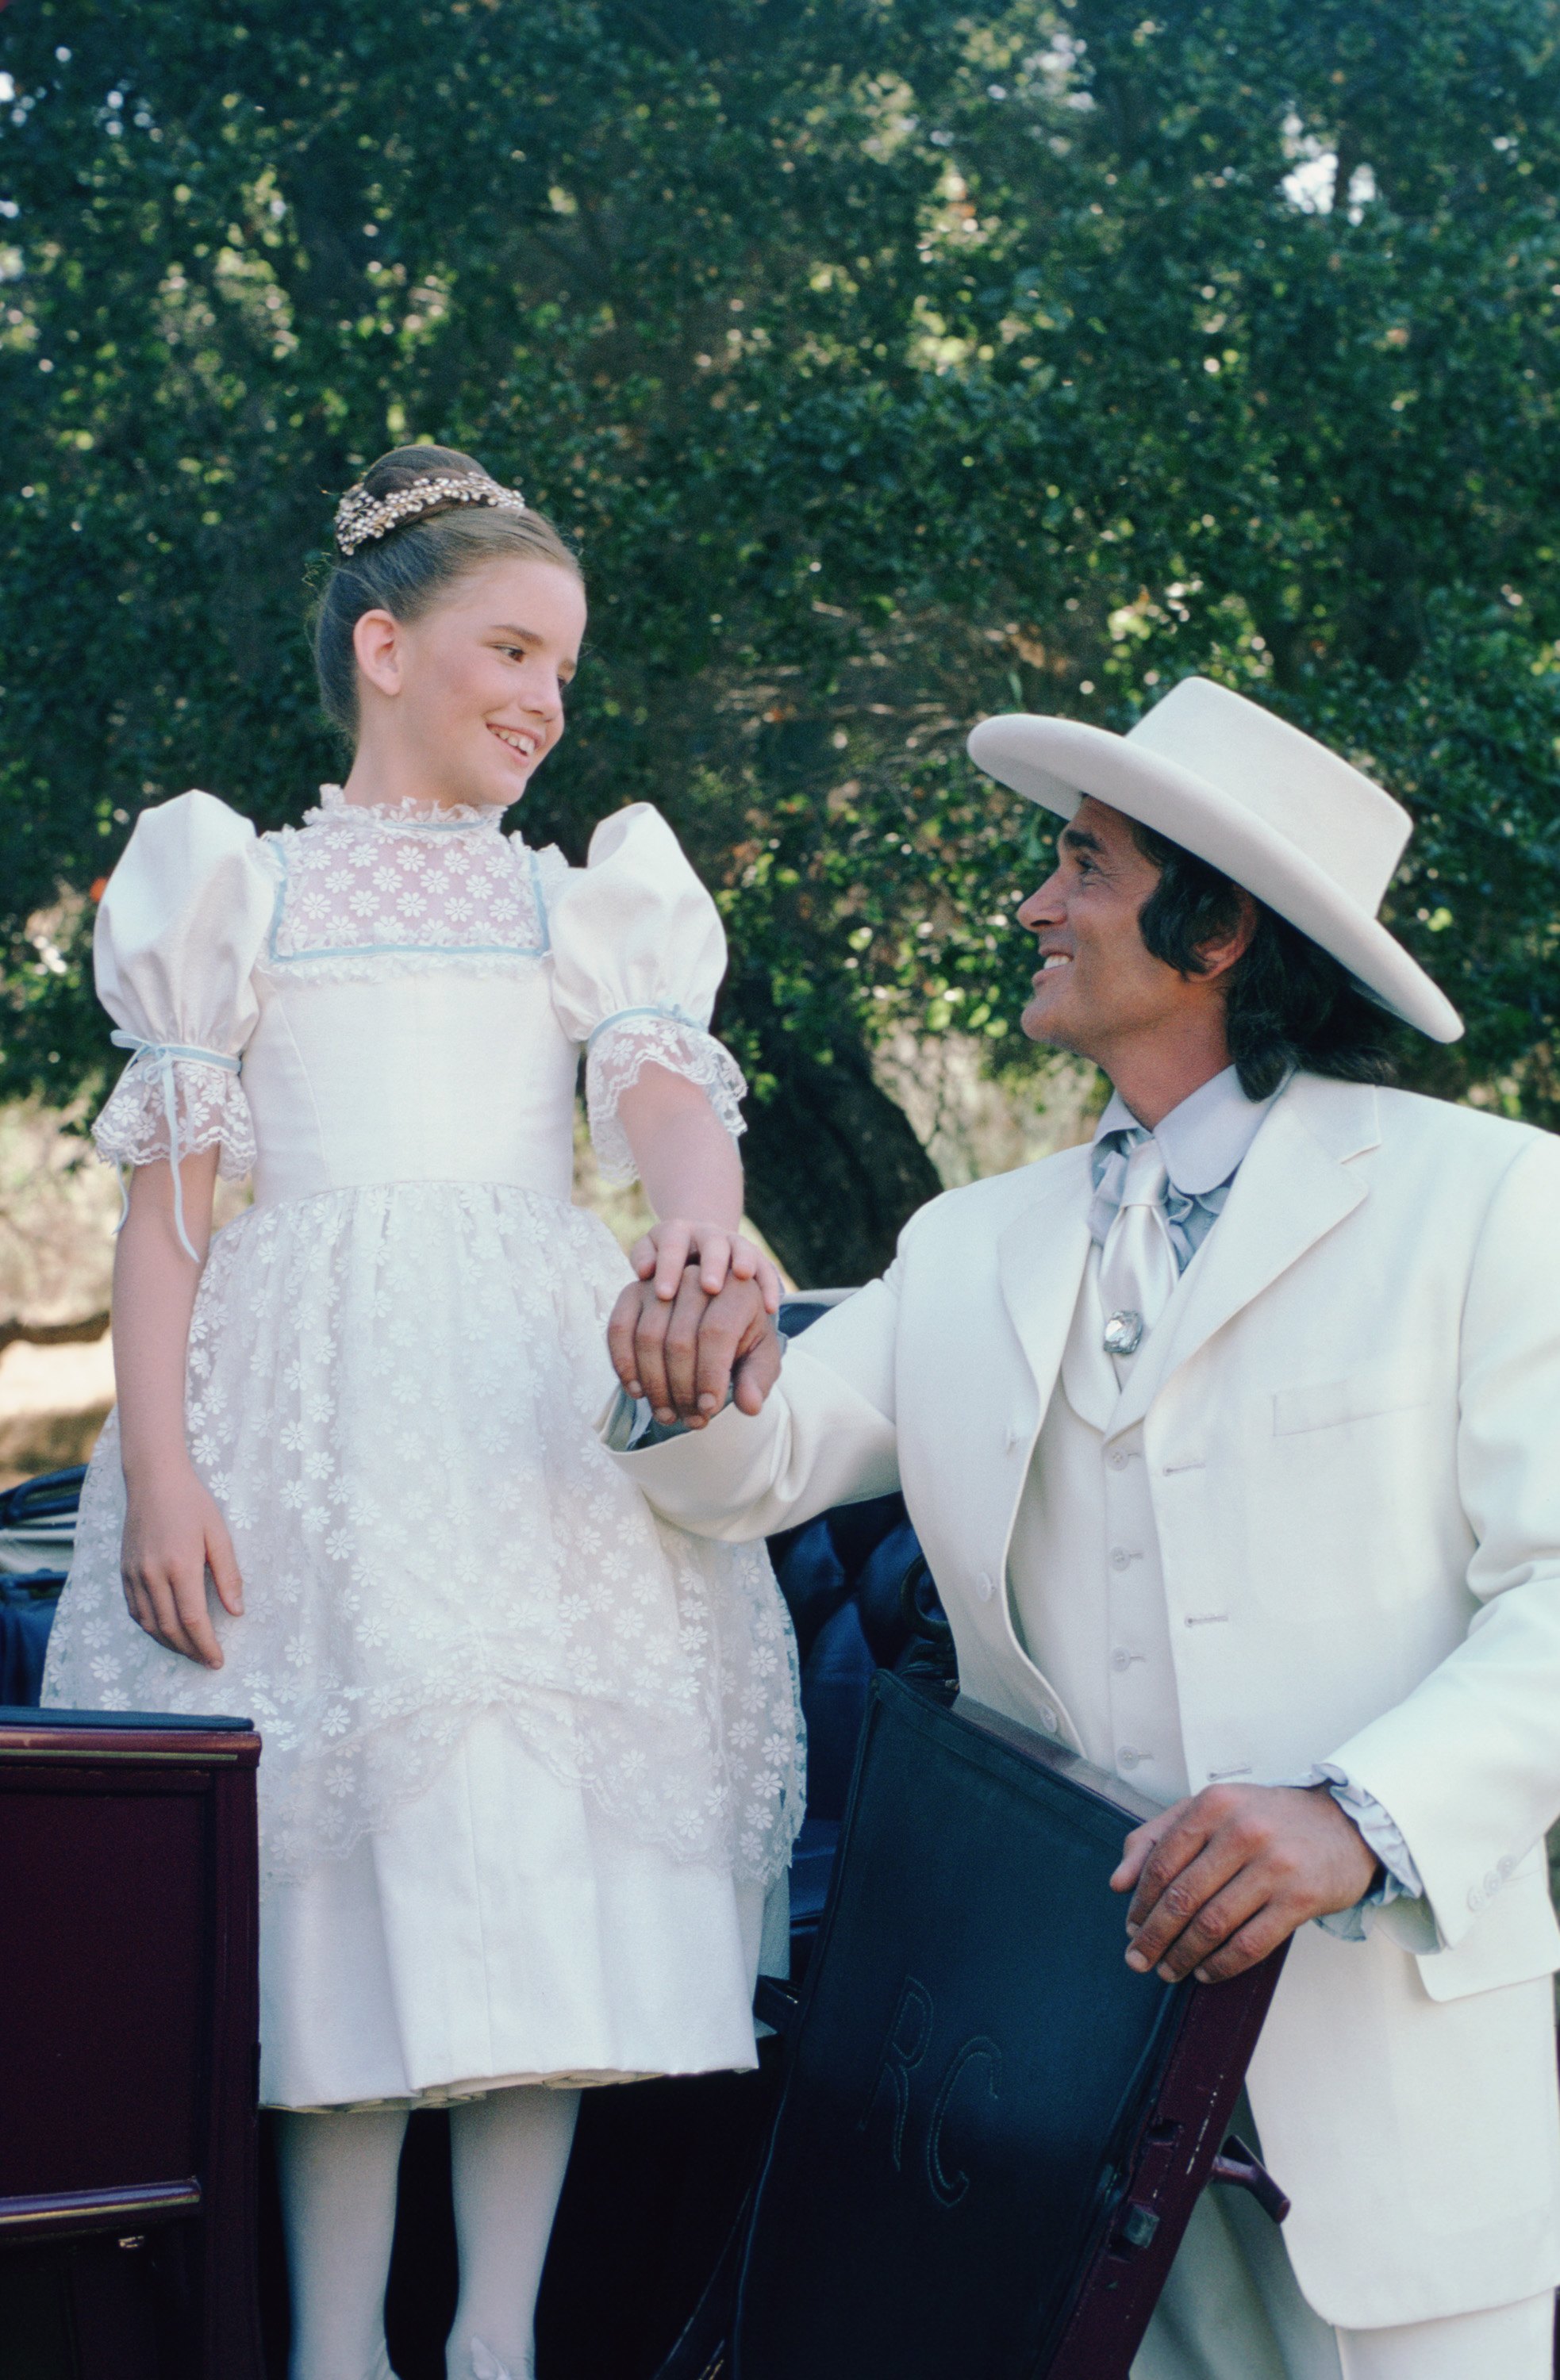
[1351, 1426]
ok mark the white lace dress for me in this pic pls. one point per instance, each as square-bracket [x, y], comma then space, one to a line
[532, 1759]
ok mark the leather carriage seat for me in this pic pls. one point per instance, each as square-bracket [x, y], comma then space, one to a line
[842, 1576]
[37, 1530]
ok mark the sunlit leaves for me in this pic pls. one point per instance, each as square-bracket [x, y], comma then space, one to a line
[890, 365]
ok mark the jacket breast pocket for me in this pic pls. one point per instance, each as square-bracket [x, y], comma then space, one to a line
[1395, 1385]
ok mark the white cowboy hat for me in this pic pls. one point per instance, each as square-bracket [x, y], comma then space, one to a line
[1270, 808]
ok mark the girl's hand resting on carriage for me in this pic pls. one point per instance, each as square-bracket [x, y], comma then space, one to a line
[667, 1249]
[174, 1536]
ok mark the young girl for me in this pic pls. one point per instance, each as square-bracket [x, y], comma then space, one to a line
[532, 1759]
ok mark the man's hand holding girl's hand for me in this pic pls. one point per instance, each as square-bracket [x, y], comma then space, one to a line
[173, 1536]
[683, 1345]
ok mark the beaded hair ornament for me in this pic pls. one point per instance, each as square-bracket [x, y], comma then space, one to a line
[359, 518]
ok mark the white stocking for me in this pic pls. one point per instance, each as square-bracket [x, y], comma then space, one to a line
[338, 2209]
[508, 2155]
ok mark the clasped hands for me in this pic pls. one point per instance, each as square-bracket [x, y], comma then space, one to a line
[698, 1323]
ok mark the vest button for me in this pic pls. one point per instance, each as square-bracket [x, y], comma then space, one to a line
[1119, 1557]
[1127, 1758]
[1117, 1460]
[983, 1587]
[1120, 1660]
[1048, 1719]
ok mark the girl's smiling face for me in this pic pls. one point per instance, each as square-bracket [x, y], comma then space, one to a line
[463, 704]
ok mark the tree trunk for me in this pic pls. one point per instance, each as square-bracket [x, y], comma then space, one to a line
[833, 1168]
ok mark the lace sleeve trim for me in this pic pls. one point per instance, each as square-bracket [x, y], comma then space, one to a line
[618, 1052]
[208, 1110]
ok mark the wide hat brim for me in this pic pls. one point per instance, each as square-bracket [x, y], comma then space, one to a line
[1057, 761]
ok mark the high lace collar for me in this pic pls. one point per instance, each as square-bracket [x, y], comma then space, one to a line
[335, 809]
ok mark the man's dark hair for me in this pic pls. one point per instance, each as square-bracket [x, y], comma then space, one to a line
[1289, 1003]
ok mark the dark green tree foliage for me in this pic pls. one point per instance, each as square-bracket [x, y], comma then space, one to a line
[890, 365]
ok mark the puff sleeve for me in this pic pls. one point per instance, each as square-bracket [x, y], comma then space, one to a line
[180, 931]
[638, 952]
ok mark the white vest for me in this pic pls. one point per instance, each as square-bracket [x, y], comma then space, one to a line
[1085, 1582]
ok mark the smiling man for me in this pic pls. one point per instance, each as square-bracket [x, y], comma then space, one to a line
[1231, 1440]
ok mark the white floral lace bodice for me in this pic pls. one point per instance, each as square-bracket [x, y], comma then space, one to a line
[360, 886]
[216, 945]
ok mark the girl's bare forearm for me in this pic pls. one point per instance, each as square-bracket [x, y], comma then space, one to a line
[686, 1158]
[154, 1286]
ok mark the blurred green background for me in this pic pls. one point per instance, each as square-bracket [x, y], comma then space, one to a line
[889, 363]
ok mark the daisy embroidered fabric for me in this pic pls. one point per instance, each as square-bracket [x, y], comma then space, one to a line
[392, 1394]
[370, 890]
[393, 1385]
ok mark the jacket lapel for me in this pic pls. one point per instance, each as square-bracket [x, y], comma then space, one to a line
[1041, 1256]
[1295, 1185]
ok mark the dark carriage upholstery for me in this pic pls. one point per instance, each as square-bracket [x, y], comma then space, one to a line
[841, 1576]
[844, 1577]
[26, 1611]
[37, 1519]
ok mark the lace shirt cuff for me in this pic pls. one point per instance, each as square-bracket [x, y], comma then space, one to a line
[209, 1106]
[620, 1049]
[1400, 1880]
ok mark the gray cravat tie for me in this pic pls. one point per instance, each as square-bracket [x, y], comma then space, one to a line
[1138, 1267]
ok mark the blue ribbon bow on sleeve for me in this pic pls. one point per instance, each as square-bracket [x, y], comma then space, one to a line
[154, 1061]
